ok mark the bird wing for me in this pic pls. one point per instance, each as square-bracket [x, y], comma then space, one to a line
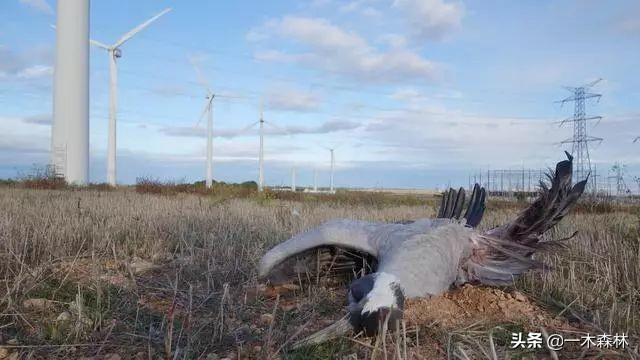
[453, 203]
[337, 247]
[427, 262]
[340, 247]
[506, 251]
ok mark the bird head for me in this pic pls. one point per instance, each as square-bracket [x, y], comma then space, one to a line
[376, 301]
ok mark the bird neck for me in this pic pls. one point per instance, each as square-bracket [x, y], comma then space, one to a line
[386, 293]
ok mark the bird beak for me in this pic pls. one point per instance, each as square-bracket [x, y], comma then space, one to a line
[335, 330]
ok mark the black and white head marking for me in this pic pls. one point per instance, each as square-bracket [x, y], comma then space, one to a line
[372, 299]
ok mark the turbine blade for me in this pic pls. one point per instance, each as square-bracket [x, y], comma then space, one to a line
[98, 44]
[138, 28]
[248, 127]
[334, 147]
[202, 80]
[207, 106]
[285, 131]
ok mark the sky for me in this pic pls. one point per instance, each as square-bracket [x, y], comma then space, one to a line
[410, 93]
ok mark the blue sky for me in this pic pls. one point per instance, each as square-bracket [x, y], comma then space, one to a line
[413, 93]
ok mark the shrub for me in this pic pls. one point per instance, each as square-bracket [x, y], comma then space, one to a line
[43, 178]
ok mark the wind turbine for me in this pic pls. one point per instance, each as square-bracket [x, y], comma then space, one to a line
[115, 53]
[333, 162]
[315, 180]
[261, 122]
[261, 154]
[208, 110]
[293, 179]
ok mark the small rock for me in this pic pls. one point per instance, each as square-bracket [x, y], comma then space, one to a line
[116, 280]
[37, 304]
[519, 297]
[140, 266]
[241, 335]
[4, 353]
[289, 306]
[291, 286]
[64, 316]
[266, 319]
[212, 356]
[13, 341]
[112, 357]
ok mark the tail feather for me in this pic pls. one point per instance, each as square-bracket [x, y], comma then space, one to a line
[503, 253]
[548, 209]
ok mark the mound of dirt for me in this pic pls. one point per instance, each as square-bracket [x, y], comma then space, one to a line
[471, 304]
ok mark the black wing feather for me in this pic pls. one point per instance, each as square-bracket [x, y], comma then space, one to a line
[453, 202]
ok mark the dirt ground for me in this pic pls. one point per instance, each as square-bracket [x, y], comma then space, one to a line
[268, 310]
[470, 304]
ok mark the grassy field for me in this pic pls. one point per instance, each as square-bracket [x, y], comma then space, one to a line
[166, 274]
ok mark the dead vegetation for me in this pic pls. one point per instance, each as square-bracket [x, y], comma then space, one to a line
[122, 273]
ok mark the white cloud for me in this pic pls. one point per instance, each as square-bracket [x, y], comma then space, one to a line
[338, 51]
[324, 128]
[35, 72]
[279, 56]
[29, 64]
[630, 25]
[38, 5]
[359, 6]
[9, 61]
[170, 90]
[431, 19]
[394, 40]
[22, 143]
[40, 119]
[627, 21]
[283, 98]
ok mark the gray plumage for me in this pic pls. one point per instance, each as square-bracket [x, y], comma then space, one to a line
[426, 257]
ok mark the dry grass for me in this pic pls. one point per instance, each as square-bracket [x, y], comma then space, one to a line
[174, 277]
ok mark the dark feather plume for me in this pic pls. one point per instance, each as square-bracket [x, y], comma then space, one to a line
[507, 251]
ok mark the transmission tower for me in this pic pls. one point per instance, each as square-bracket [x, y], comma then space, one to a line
[618, 171]
[580, 140]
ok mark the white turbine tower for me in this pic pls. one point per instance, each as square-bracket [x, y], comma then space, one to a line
[333, 161]
[208, 110]
[315, 180]
[115, 53]
[261, 124]
[293, 179]
[261, 154]
[70, 127]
